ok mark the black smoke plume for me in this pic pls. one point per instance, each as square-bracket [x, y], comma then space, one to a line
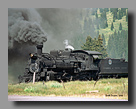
[24, 27]
[24, 33]
[27, 27]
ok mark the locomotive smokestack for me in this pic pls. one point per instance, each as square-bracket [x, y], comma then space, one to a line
[39, 49]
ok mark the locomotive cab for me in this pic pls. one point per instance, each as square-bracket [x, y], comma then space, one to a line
[90, 58]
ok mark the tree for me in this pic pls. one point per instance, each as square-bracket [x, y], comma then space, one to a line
[120, 15]
[96, 15]
[106, 9]
[123, 11]
[118, 45]
[95, 45]
[101, 10]
[114, 17]
[120, 26]
[100, 48]
[114, 12]
[112, 27]
[106, 24]
[103, 20]
[89, 45]
[127, 16]
[104, 42]
[103, 15]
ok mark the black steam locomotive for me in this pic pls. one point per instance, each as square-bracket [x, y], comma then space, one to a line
[70, 65]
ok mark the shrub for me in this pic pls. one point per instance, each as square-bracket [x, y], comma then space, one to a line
[56, 85]
[29, 89]
[107, 88]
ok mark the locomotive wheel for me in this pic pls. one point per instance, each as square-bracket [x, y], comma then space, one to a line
[90, 78]
[95, 78]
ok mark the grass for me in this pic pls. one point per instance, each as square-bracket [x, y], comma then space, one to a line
[73, 88]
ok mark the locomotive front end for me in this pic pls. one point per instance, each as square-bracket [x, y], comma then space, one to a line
[33, 66]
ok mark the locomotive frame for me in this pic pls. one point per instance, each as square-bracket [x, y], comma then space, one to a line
[70, 65]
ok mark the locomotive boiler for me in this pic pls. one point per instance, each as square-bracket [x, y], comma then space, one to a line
[70, 65]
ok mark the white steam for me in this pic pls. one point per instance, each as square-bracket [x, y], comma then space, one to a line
[67, 46]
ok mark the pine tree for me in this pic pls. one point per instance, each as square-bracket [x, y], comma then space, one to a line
[103, 20]
[106, 9]
[95, 45]
[120, 15]
[106, 24]
[103, 15]
[114, 17]
[96, 15]
[87, 45]
[104, 42]
[101, 10]
[118, 45]
[100, 47]
[112, 27]
[123, 11]
[127, 16]
[120, 26]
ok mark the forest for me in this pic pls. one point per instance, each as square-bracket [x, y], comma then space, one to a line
[104, 30]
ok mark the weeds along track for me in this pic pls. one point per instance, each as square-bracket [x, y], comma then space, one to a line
[113, 88]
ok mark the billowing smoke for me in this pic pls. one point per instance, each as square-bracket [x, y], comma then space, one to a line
[60, 24]
[24, 33]
[28, 27]
[24, 27]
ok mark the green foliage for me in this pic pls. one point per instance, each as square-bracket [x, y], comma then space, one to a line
[96, 15]
[112, 27]
[29, 89]
[106, 23]
[56, 85]
[120, 15]
[106, 9]
[118, 45]
[107, 88]
[103, 23]
[104, 42]
[93, 22]
[103, 15]
[120, 26]
[127, 16]
[95, 45]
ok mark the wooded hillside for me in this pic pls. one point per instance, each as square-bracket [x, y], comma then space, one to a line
[109, 23]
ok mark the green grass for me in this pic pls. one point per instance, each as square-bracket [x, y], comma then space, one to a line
[73, 88]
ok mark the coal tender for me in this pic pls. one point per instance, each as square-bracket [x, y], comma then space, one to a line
[71, 65]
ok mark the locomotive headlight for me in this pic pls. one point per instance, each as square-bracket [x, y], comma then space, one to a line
[31, 55]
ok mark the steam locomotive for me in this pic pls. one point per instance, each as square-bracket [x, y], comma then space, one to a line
[70, 65]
